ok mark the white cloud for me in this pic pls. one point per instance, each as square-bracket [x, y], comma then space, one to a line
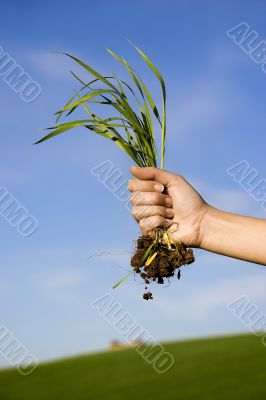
[56, 66]
[63, 286]
[65, 278]
[53, 65]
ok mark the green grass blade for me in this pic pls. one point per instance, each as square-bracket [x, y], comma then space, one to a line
[160, 78]
[151, 101]
[62, 128]
[146, 254]
[129, 126]
[84, 98]
[122, 280]
[92, 71]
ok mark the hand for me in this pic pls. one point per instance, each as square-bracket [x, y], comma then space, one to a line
[163, 199]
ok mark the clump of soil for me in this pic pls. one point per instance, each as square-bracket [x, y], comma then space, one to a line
[155, 260]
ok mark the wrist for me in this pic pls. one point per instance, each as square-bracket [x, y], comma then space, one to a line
[208, 227]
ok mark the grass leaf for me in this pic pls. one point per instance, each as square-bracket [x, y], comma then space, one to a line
[122, 280]
[129, 126]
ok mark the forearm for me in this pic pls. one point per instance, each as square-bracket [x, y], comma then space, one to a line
[234, 236]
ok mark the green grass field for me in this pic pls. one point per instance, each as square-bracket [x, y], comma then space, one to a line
[221, 368]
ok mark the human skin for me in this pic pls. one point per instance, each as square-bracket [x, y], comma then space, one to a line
[161, 198]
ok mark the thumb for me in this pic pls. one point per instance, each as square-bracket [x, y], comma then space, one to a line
[152, 174]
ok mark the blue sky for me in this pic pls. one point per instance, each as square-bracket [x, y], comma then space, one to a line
[216, 118]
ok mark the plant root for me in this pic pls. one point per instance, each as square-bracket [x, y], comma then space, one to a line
[155, 258]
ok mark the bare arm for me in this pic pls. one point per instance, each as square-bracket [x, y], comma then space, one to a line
[234, 236]
[191, 219]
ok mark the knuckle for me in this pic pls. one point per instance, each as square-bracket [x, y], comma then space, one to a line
[134, 211]
[130, 186]
[143, 223]
[139, 197]
[141, 213]
[149, 225]
[145, 211]
[135, 198]
[132, 200]
[179, 178]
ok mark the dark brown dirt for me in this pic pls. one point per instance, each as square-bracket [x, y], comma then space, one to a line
[164, 265]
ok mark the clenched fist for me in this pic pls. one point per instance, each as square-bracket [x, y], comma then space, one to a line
[163, 199]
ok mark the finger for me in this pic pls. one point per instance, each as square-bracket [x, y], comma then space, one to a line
[140, 212]
[152, 174]
[151, 223]
[150, 199]
[144, 186]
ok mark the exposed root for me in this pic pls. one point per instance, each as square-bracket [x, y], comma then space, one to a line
[155, 258]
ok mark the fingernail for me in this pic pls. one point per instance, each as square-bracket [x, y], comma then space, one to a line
[168, 201]
[170, 212]
[158, 187]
